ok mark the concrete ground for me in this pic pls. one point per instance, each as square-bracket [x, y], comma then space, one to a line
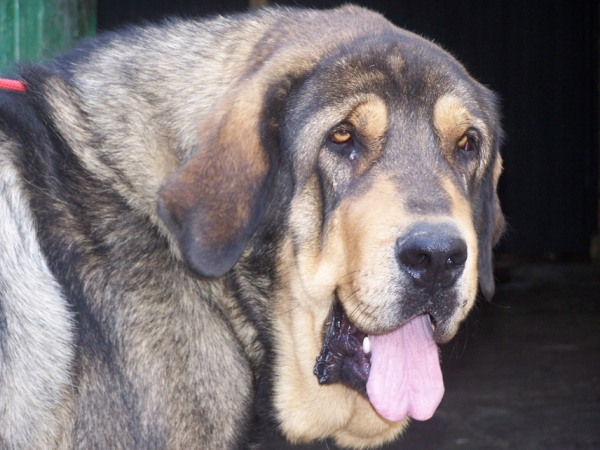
[524, 372]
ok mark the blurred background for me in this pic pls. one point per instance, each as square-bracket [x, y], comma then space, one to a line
[525, 371]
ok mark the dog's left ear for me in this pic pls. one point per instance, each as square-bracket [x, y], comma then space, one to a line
[214, 203]
[489, 224]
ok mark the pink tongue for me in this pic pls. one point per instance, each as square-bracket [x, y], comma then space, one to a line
[405, 376]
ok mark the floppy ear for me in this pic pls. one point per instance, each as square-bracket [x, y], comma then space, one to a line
[214, 203]
[490, 225]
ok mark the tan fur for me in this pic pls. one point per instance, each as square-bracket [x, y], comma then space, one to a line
[308, 411]
[462, 214]
[371, 120]
[369, 228]
[355, 258]
[451, 120]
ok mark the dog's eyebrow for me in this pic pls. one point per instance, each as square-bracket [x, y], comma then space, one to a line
[451, 118]
[371, 118]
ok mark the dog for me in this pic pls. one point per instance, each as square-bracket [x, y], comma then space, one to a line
[213, 226]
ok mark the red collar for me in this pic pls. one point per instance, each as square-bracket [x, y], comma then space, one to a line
[12, 85]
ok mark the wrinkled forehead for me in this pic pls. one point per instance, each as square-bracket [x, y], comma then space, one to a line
[407, 72]
[401, 57]
[420, 91]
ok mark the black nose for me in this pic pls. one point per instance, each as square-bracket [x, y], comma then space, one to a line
[433, 256]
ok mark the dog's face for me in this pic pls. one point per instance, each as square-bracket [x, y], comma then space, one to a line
[394, 167]
[384, 174]
[388, 171]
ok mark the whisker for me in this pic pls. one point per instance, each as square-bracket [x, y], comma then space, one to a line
[349, 273]
[292, 308]
[351, 294]
[352, 280]
[364, 311]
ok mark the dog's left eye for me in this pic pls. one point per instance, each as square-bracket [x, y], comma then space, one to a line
[344, 143]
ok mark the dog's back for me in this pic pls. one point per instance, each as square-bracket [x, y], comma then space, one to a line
[106, 340]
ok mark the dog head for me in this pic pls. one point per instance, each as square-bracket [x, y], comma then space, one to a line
[374, 156]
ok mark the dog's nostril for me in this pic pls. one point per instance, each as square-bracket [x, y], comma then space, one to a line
[460, 257]
[433, 256]
[414, 257]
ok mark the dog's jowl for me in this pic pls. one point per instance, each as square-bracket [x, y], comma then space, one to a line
[211, 226]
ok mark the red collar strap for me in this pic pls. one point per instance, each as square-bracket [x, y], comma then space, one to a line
[12, 85]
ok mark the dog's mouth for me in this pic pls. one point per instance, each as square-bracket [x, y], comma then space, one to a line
[399, 372]
[346, 353]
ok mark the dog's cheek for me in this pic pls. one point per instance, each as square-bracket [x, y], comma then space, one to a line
[462, 217]
[305, 410]
[369, 227]
[311, 267]
[314, 257]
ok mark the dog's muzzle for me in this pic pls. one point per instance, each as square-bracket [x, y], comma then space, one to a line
[399, 370]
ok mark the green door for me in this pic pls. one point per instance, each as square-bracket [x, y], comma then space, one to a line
[31, 30]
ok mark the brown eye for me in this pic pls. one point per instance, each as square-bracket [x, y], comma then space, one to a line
[466, 143]
[341, 136]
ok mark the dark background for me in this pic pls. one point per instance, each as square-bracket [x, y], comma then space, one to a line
[540, 56]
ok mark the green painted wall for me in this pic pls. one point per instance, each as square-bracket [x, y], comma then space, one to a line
[32, 30]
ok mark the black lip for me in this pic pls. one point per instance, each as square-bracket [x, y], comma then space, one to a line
[342, 358]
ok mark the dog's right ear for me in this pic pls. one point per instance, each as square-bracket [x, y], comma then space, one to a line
[490, 225]
[214, 203]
